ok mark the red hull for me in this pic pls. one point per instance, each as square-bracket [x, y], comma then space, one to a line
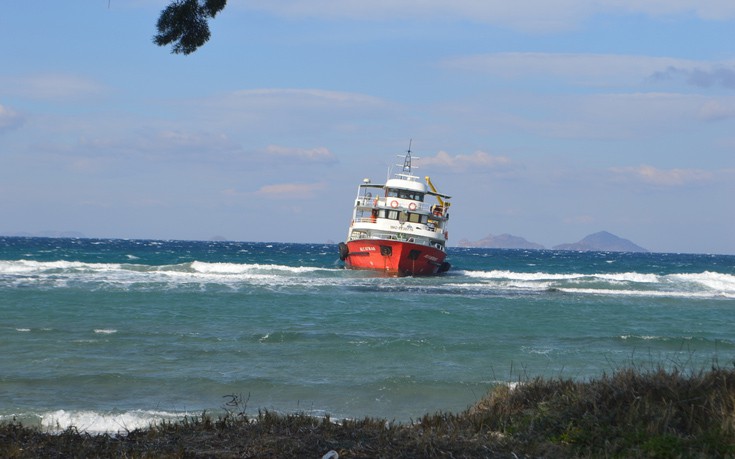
[395, 257]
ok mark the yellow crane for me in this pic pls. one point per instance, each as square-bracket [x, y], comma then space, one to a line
[439, 197]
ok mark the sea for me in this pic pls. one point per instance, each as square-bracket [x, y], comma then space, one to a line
[111, 335]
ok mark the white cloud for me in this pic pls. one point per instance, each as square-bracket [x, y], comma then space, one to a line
[478, 159]
[598, 69]
[261, 116]
[51, 86]
[627, 115]
[308, 155]
[530, 15]
[291, 107]
[714, 110]
[159, 144]
[9, 119]
[706, 75]
[304, 96]
[664, 177]
[597, 116]
[524, 14]
[138, 150]
[291, 190]
[717, 10]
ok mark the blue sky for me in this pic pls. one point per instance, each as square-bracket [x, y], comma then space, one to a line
[548, 120]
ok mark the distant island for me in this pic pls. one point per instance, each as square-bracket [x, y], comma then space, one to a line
[503, 241]
[602, 241]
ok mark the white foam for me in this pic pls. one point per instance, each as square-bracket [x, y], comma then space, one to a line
[234, 275]
[235, 268]
[719, 282]
[105, 331]
[644, 337]
[63, 273]
[221, 268]
[536, 276]
[498, 274]
[630, 277]
[692, 285]
[35, 267]
[96, 423]
[639, 293]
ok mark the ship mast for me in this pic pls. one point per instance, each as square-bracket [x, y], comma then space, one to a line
[407, 159]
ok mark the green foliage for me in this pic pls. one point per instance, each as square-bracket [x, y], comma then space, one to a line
[184, 23]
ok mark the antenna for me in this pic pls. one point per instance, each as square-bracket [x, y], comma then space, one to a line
[407, 159]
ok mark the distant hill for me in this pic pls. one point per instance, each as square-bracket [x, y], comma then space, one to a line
[503, 241]
[603, 242]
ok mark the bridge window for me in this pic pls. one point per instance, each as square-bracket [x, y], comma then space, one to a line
[404, 194]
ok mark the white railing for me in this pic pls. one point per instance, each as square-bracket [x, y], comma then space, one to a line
[417, 226]
[405, 237]
[388, 203]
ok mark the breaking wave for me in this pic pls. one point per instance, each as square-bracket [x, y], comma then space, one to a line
[200, 274]
[692, 285]
[94, 422]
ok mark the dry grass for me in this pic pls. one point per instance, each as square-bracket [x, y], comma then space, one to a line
[627, 414]
[631, 413]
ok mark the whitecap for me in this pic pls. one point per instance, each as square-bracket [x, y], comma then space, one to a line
[105, 331]
[688, 285]
[60, 266]
[643, 337]
[254, 268]
[502, 274]
[639, 293]
[719, 282]
[630, 277]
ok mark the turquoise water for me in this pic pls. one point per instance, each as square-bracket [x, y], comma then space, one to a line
[110, 335]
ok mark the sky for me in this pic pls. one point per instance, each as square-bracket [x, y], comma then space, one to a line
[545, 119]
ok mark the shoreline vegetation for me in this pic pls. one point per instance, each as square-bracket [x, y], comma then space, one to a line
[651, 413]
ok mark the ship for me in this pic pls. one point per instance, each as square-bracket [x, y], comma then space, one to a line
[398, 228]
